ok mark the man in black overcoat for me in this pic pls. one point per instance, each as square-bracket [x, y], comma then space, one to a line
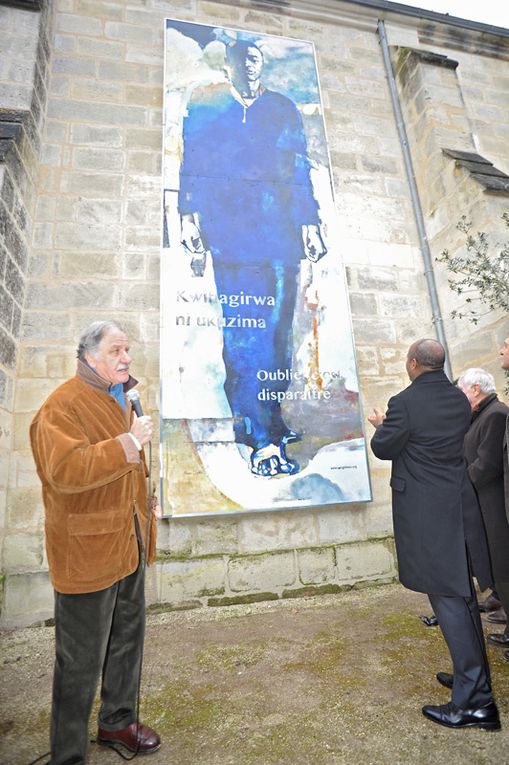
[435, 514]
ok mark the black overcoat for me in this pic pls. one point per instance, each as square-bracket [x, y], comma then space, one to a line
[485, 459]
[423, 435]
[506, 468]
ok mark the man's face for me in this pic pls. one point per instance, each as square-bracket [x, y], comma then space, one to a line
[253, 64]
[504, 352]
[112, 359]
[411, 364]
[247, 66]
[472, 393]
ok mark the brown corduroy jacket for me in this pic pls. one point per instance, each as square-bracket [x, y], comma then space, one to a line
[93, 483]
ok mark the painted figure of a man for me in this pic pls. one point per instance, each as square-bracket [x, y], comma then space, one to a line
[246, 196]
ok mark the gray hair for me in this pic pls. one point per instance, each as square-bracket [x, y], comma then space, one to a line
[480, 377]
[92, 336]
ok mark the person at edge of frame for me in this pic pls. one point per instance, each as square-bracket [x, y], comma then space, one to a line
[504, 363]
[484, 455]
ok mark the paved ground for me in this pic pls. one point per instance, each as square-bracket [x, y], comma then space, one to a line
[320, 681]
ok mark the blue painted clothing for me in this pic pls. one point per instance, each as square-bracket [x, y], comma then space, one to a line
[245, 172]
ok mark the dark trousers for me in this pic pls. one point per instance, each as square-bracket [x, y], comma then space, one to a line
[96, 633]
[503, 596]
[461, 626]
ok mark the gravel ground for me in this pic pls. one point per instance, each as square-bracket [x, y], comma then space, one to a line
[318, 681]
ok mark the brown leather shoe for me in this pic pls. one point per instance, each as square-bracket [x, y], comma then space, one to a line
[497, 617]
[136, 738]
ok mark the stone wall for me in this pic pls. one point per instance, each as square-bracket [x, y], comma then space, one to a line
[94, 253]
[24, 60]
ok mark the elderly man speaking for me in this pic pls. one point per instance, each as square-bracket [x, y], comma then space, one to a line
[433, 504]
[88, 449]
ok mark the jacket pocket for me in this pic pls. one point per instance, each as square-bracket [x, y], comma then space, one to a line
[398, 484]
[96, 544]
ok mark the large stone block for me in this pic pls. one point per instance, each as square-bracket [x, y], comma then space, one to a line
[266, 572]
[98, 136]
[87, 265]
[105, 114]
[28, 599]
[93, 91]
[100, 9]
[7, 350]
[119, 70]
[22, 552]
[5, 457]
[316, 566]
[90, 295]
[215, 536]
[22, 471]
[276, 531]
[343, 523]
[129, 33]
[47, 325]
[31, 393]
[99, 49]
[98, 185]
[184, 580]
[374, 331]
[80, 25]
[25, 509]
[174, 536]
[371, 560]
[140, 95]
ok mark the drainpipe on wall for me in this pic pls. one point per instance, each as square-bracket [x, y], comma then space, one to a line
[416, 203]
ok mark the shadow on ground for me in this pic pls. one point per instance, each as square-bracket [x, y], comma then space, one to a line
[319, 681]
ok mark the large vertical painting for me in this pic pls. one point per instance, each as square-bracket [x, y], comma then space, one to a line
[259, 393]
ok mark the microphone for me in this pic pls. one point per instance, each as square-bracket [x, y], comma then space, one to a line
[134, 398]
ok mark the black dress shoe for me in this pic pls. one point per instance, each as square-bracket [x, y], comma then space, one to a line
[499, 639]
[136, 738]
[445, 679]
[429, 621]
[491, 603]
[497, 617]
[453, 717]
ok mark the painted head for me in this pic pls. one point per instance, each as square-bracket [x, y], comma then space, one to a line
[105, 348]
[245, 60]
[425, 355]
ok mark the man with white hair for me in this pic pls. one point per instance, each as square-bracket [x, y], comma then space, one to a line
[484, 455]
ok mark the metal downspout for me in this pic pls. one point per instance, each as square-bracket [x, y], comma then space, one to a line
[416, 203]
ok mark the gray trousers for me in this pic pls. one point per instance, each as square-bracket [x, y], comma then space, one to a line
[96, 634]
[461, 627]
